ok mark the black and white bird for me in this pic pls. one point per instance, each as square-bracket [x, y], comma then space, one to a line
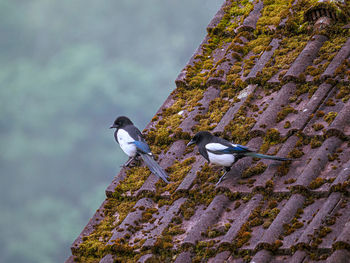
[221, 152]
[133, 144]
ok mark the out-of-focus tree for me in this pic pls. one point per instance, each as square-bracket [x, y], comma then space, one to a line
[67, 69]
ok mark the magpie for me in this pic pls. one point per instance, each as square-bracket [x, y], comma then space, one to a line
[221, 152]
[133, 144]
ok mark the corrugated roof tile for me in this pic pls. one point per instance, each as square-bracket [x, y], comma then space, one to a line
[265, 57]
[184, 257]
[212, 214]
[175, 151]
[250, 22]
[164, 222]
[89, 228]
[306, 57]
[339, 256]
[262, 256]
[276, 229]
[318, 162]
[131, 221]
[269, 116]
[107, 259]
[239, 220]
[343, 53]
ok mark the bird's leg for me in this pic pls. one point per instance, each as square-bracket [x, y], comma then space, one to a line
[227, 169]
[127, 162]
[136, 158]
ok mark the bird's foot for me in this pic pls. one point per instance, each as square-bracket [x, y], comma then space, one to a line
[128, 162]
[131, 162]
[221, 179]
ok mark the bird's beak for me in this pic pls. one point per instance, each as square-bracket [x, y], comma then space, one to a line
[113, 126]
[190, 143]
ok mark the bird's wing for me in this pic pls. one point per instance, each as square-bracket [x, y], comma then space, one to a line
[240, 148]
[142, 147]
[139, 142]
[229, 148]
[134, 133]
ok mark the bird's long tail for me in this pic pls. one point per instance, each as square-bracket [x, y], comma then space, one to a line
[154, 167]
[263, 156]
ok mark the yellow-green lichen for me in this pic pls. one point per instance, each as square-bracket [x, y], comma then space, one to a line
[215, 231]
[271, 15]
[244, 234]
[343, 93]
[208, 121]
[260, 44]
[255, 170]
[269, 215]
[133, 180]
[283, 169]
[294, 224]
[285, 112]
[94, 246]
[317, 126]
[272, 137]
[177, 173]
[318, 182]
[287, 125]
[330, 116]
[315, 142]
[290, 181]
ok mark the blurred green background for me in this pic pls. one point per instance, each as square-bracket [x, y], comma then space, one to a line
[67, 69]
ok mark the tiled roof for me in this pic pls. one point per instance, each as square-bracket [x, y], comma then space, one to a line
[273, 75]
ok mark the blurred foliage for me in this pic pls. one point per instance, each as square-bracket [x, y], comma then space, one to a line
[67, 69]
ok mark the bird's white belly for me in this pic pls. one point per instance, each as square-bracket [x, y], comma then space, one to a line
[221, 159]
[125, 140]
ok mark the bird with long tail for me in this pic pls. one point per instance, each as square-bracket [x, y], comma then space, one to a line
[221, 152]
[133, 144]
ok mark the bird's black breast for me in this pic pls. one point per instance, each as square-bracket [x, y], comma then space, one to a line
[115, 135]
[203, 151]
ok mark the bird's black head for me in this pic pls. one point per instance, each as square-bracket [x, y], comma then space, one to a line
[201, 136]
[120, 122]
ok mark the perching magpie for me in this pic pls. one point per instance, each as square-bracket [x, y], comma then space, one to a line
[221, 152]
[133, 144]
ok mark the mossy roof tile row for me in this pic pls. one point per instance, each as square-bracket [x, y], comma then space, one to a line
[306, 57]
[163, 222]
[266, 78]
[89, 228]
[131, 220]
[177, 149]
[250, 22]
[343, 54]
